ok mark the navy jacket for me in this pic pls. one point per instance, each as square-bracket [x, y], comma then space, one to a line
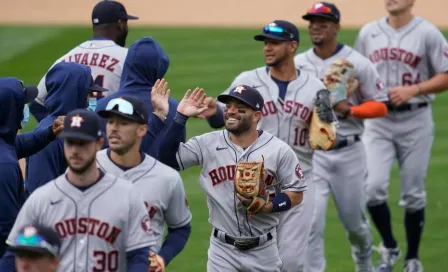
[145, 63]
[68, 85]
[12, 148]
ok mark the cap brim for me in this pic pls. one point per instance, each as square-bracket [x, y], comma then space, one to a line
[96, 88]
[310, 16]
[224, 98]
[77, 136]
[108, 113]
[31, 93]
[39, 250]
[130, 17]
[263, 37]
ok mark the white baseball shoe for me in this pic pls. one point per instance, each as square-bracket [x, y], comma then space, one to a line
[388, 258]
[413, 265]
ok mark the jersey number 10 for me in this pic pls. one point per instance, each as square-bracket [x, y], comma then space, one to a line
[300, 136]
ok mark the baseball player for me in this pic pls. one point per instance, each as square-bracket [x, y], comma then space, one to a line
[161, 186]
[240, 241]
[37, 248]
[289, 99]
[69, 84]
[411, 55]
[101, 219]
[343, 167]
[105, 53]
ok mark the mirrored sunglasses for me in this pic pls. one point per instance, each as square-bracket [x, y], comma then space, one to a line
[122, 105]
[278, 31]
[320, 9]
[37, 241]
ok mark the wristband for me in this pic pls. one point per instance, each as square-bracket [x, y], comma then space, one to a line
[180, 118]
[281, 203]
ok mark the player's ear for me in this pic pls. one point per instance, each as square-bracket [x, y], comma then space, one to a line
[293, 46]
[257, 116]
[141, 130]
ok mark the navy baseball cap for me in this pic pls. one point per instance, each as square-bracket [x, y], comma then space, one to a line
[82, 124]
[324, 10]
[279, 30]
[38, 240]
[106, 12]
[29, 91]
[128, 107]
[246, 94]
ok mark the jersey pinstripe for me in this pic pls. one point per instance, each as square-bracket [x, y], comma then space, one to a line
[97, 227]
[161, 188]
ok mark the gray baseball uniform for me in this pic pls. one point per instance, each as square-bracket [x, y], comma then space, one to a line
[289, 119]
[406, 56]
[97, 227]
[218, 157]
[161, 188]
[336, 170]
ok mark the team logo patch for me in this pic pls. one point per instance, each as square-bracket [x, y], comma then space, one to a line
[76, 121]
[379, 85]
[299, 172]
[239, 89]
[445, 51]
[146, 226]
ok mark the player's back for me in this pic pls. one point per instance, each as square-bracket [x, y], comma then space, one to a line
[105, 58]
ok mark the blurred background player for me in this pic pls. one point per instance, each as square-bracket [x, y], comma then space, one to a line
[36, 249]
[342, 170]
[105, 53]
[411, 55]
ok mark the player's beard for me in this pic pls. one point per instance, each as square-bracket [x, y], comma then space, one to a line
[121, 39]
[124, 148]
[244, 125]
[82, 169]
[278, 60]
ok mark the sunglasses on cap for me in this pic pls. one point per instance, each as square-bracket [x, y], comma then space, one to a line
[278, 31]
[122, 105]
[320, 9]
[36, 241]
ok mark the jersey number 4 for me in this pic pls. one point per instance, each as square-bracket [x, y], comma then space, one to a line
[99, 80]
[300, 136]
[105, 261]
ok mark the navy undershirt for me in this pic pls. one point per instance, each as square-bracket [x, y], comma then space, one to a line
[125, 168]
[84, 188]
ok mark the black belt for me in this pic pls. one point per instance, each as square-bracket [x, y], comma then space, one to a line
[243, 243]
[346, 141]
[406, 107]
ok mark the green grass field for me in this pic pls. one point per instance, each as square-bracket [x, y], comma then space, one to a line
[211, 58]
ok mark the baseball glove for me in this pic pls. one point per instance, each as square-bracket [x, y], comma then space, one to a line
[340, 80]
[322, 128]
[156, 263]
[250, 183]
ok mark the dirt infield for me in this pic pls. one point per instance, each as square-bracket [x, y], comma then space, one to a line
[207, 12]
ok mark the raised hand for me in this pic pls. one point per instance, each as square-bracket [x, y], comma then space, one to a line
[192, 105]
[212, 107]
[58, 125]
[159, 98]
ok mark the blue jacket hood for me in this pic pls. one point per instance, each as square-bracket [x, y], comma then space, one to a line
[12, 101]
[68, 86]
[145, 63]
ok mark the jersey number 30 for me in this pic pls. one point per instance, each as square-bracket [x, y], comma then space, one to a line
[105, 261]
[300, 135]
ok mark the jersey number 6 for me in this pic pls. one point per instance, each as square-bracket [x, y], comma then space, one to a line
[300, 136]
[105, 261]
